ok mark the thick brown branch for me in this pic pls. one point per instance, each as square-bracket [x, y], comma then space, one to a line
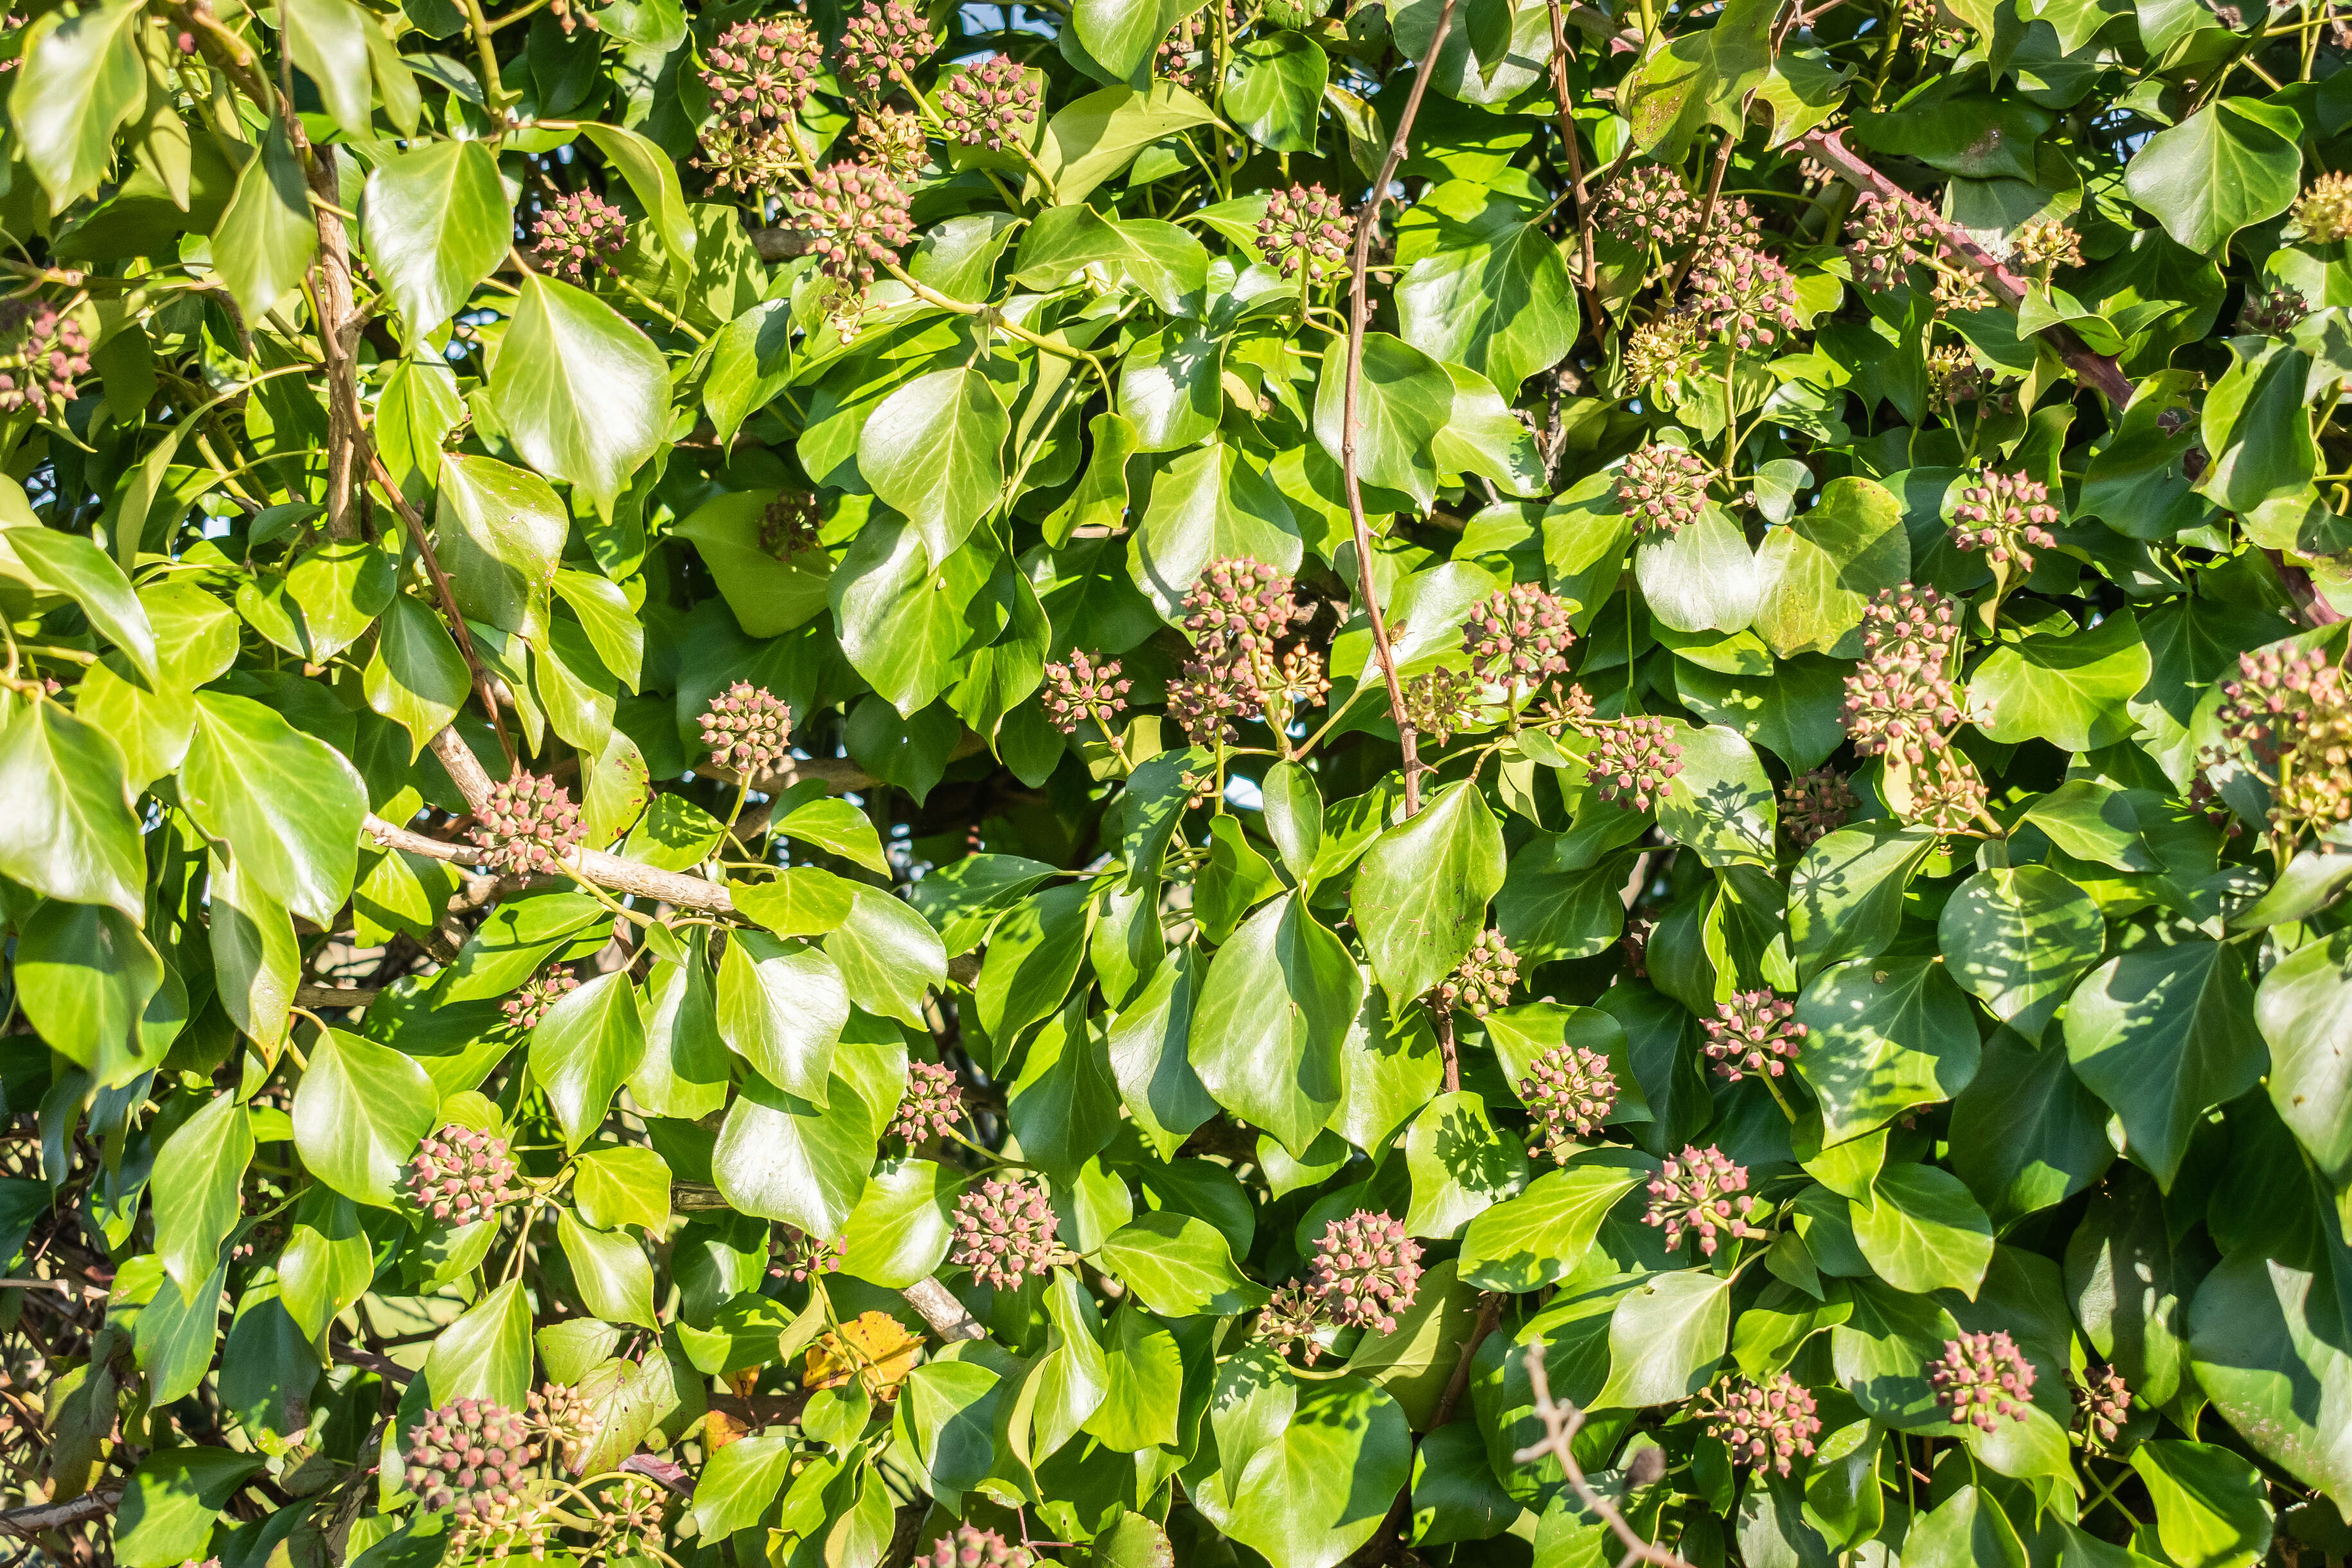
[27, 1523]
[339, 328]
[484, 687]
[1359, 313]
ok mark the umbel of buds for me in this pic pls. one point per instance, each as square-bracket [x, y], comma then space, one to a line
[527, 1007]
[1900, 712]
[1649, 205]
[2274, 311]
[894, 140]
[795, 1255]
[1304, 228]
[969, 1546]
[1948, 793]
[2291, 711]
[1815, 805]
[1288, 1321]
[2047, 246]
[527, 826]
[1702, 1192]
[42, 350]
[1661, 487]
[561, 1421]
[2104, 1404]
[1004, 1232]
[881, 42]
[2323, 213]
[1365, 1271]
[1441, 703]
[748, 730]
[1755, 1032]
[1517, 636]
[1239, 608]
[789, 524]
[1768, 1426]
[761, 72]
[1205, 700]
[461, 1174]
[986, 105]
[1982, 1379]
[2002, 515]
[1746, 297]
[577, 232]
[1914, 626]
[1482, 982]
[468, 1457]
[933, 1104]
[860, 214]
[1632, 761]
[1885, 237]
[1570, 1091]
[1663, 352]
[1085, 690]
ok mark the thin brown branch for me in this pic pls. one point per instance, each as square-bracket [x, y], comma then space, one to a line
[2096, 370]
[339, 328]
[1588, 254]
[1706, 218]
[484, 687]
[1561, 1422]
[1490, 1313]
[1359, 313]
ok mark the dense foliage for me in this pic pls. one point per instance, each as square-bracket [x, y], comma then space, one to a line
[855, 787]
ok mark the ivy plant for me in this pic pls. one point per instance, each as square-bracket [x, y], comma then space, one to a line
[1133, 782]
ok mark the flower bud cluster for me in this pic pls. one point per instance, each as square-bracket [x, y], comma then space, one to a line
[969, 1546]
[1663, 353]
[576, 233]
[931, 1105]
[862, 216]
[2323, 212]
[1365, 1271]
[796, 1256]
[42, 351]
[1661, 487]
[1184, 56]
[2290, 712]
[1815, 805]
[2274, 312]
[1304, 227]
[2003, 515]
[1237, 615]
[1980, 1379]
[2047, 246]
[1700, 1192]
[789, 525]
[1084, 689]
[893, 141]
[1441, 703]
[1004, 1232]
[1518, 635]
[1912, 627]
[1482, 982]
[1755, 1032]
[986, 105]
[562, 1421]
[1746, 297]
[883, 40]
[1948, 793]
[527, 1007]
[460, 1174]
[468, 1456]
[1884, 236]
[747, 729]
[1768, 1426]
[1289, 1321]
[1568, 1091]
[527, 826]
[1649, 205]
[1901, 702]
[2103, 1404]
[760, 72]
[1633, 760]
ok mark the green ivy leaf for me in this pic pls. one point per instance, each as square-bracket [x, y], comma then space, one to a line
[436, 224]
[1420, 895]
[2163, 1034]
[359, 1113]
[583, 393]
[1266, 1034]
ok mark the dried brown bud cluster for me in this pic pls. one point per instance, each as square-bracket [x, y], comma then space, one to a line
[1815, 805]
